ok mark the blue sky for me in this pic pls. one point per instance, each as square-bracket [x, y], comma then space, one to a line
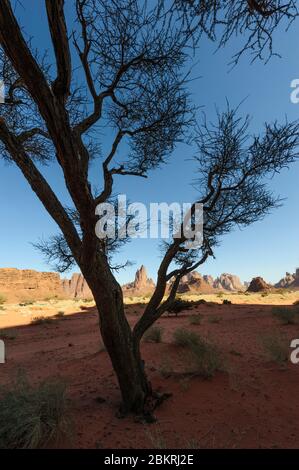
[267, 248]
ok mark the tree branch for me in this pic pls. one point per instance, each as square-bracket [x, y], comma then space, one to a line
[42, 189]
[58, 30]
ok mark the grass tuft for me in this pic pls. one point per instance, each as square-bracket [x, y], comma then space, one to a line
[286, 315]
[41, 320]
[4, 334]
[153, 335]
[33, 417]
[195, 320]
[203, 358]
[275, 347]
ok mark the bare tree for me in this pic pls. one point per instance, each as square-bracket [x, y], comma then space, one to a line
[255, 21]
[131, 78]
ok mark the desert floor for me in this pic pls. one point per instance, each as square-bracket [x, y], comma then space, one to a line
[251, 403]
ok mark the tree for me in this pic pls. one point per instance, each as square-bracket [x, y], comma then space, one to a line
[132, 75]
[255, 21]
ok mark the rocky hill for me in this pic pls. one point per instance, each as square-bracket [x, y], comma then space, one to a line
[193, 283]
[142, 284]
[76, 287]
[289, 281]
[228, 282]
[27, 284]
[258, 285]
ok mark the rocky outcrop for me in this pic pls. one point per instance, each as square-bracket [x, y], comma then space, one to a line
[289, 281]
[209, 279]
[228, 282]
[194, 283]
[76, 287]
[27, 284]
[142, 285]
[258, 285]
[295, 284]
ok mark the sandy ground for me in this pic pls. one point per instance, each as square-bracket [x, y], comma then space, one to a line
[251, 403]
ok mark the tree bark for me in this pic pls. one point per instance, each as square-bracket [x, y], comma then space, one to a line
[118, 339]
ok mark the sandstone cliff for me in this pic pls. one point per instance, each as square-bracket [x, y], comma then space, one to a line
[26, 284]
[142, 284]
[258, 285]
[289, 281]
[76, 287]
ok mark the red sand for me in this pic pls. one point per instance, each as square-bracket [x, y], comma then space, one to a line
[253, 404]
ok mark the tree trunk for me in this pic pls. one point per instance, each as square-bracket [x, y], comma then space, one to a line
[118, 339]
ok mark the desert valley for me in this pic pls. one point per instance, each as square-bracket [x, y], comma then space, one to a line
[149, 157]
[50, 329]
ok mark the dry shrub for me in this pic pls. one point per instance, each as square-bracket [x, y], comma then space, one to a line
[153, 335]
[286, 315]
[275, 346]
[33, 417]
[203, 358]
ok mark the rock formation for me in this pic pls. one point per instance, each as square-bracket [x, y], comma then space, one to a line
[228, 282]
[142, 285]
[295, 284]
[289, 281]
[258, 285]
[194, 283]
[76, 287]
[25, 284]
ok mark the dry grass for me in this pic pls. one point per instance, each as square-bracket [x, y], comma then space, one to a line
[286, 315]
[202, 357]
[41, 320]
[33, 417]
[195, 319]
[275, 347]
[153, 335]
[4, 334]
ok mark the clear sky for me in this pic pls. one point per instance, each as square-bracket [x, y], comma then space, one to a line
[267, 248]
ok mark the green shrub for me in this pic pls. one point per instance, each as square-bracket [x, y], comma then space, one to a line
[286, 315]
[179, 305]
[184, 337]
[226, 302]
[60, 314]
[2, 299]
[214, 319]
[25, 303]
[203, 358]
[4, 334]
[32, 417]
[195, 320]
[275, 347]
[41, 320]
[153, 335]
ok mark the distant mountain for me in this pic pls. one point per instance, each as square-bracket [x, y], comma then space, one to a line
[76, 287]
[289, 281]
[18, 285]
[142, 284]
[258, 285]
